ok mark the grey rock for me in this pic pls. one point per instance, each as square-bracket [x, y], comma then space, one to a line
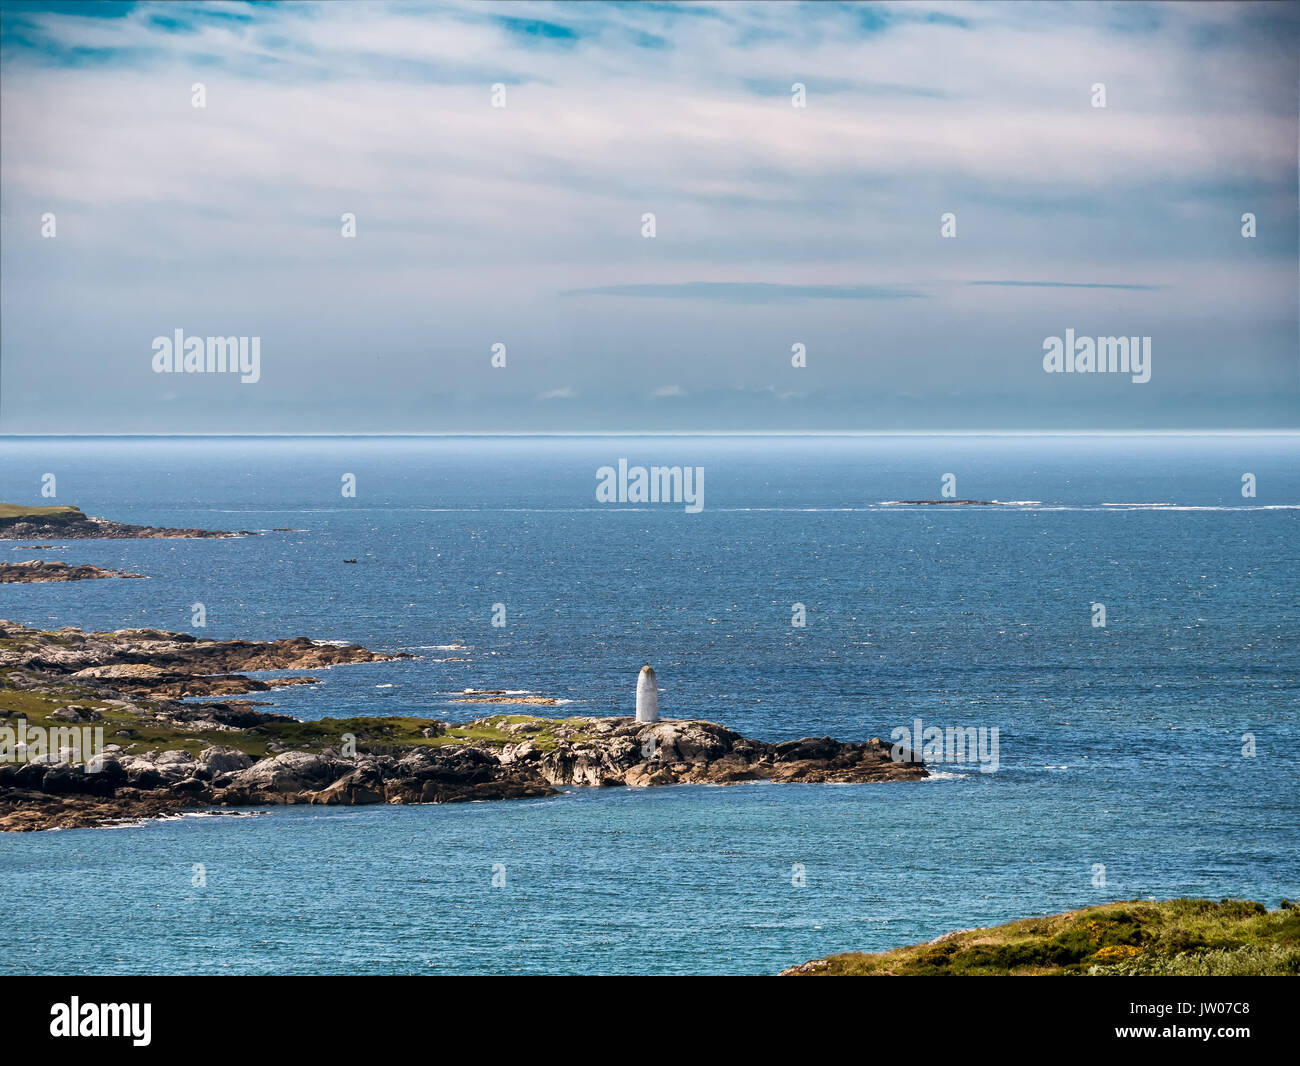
[223, 760]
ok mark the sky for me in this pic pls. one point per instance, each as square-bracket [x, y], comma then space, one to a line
[523, 225]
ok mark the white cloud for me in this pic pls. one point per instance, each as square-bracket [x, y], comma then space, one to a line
[471, 219]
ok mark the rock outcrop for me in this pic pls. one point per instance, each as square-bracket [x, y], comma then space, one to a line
[41, 570]
[942, 503]
[598, 752]
[501, 696]
[157, 755]
[70, 523]
[160, 663]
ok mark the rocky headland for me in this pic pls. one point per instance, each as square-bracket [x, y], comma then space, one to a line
[163, 756]
[70, 523]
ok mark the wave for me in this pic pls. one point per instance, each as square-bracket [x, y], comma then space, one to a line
[1038, 505]
[1203, 507]
[892, 505]
[490, 692]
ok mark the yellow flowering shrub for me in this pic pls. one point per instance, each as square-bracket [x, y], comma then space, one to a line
[1115, 953]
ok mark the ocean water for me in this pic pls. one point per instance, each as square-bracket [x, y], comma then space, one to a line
[1118, 746]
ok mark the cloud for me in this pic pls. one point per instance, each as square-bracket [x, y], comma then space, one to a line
[521, 224]
[749, 291]
[1065, 285]
[773, 391]
[668, 391]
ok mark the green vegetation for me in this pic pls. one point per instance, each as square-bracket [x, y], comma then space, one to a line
[386, 735]
[13, 512]
[376, 735]
[380, 735]
[1179, 937]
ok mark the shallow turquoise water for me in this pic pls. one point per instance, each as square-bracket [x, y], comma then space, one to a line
[1118, 746]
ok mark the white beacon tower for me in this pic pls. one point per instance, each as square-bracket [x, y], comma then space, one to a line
[647, 696]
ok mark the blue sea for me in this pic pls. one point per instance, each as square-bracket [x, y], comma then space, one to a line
[1121, 770]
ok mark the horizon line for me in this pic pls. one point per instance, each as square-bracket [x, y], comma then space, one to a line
[679, 433]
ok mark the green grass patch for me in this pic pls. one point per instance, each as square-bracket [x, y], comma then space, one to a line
[375, 735]
[1138, 937]
[61, 513]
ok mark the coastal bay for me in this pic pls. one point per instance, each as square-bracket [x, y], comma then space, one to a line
[1119, 746]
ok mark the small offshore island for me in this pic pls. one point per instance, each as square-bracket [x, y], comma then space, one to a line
[70, 523]
[37, 570]
[952, 503]
[161, 756]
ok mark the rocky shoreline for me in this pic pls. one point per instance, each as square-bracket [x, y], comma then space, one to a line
[33, 570]
[161, 756]
[70, 523]
[158, 663]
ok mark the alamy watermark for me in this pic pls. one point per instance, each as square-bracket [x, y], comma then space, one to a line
[56, 744]
[74, 1018]
[1099, 355]
[179, 354]
[655, 484]
[955, 744]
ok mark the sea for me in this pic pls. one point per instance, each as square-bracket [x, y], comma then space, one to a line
[1149, 749]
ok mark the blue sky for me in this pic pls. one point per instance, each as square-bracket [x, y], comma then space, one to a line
[522, 225]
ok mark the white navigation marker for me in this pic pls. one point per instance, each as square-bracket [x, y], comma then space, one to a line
[647, 696]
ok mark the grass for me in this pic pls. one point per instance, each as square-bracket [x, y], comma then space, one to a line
[376, 735]
[57, 513]
[1179, 937]
[387, 734]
